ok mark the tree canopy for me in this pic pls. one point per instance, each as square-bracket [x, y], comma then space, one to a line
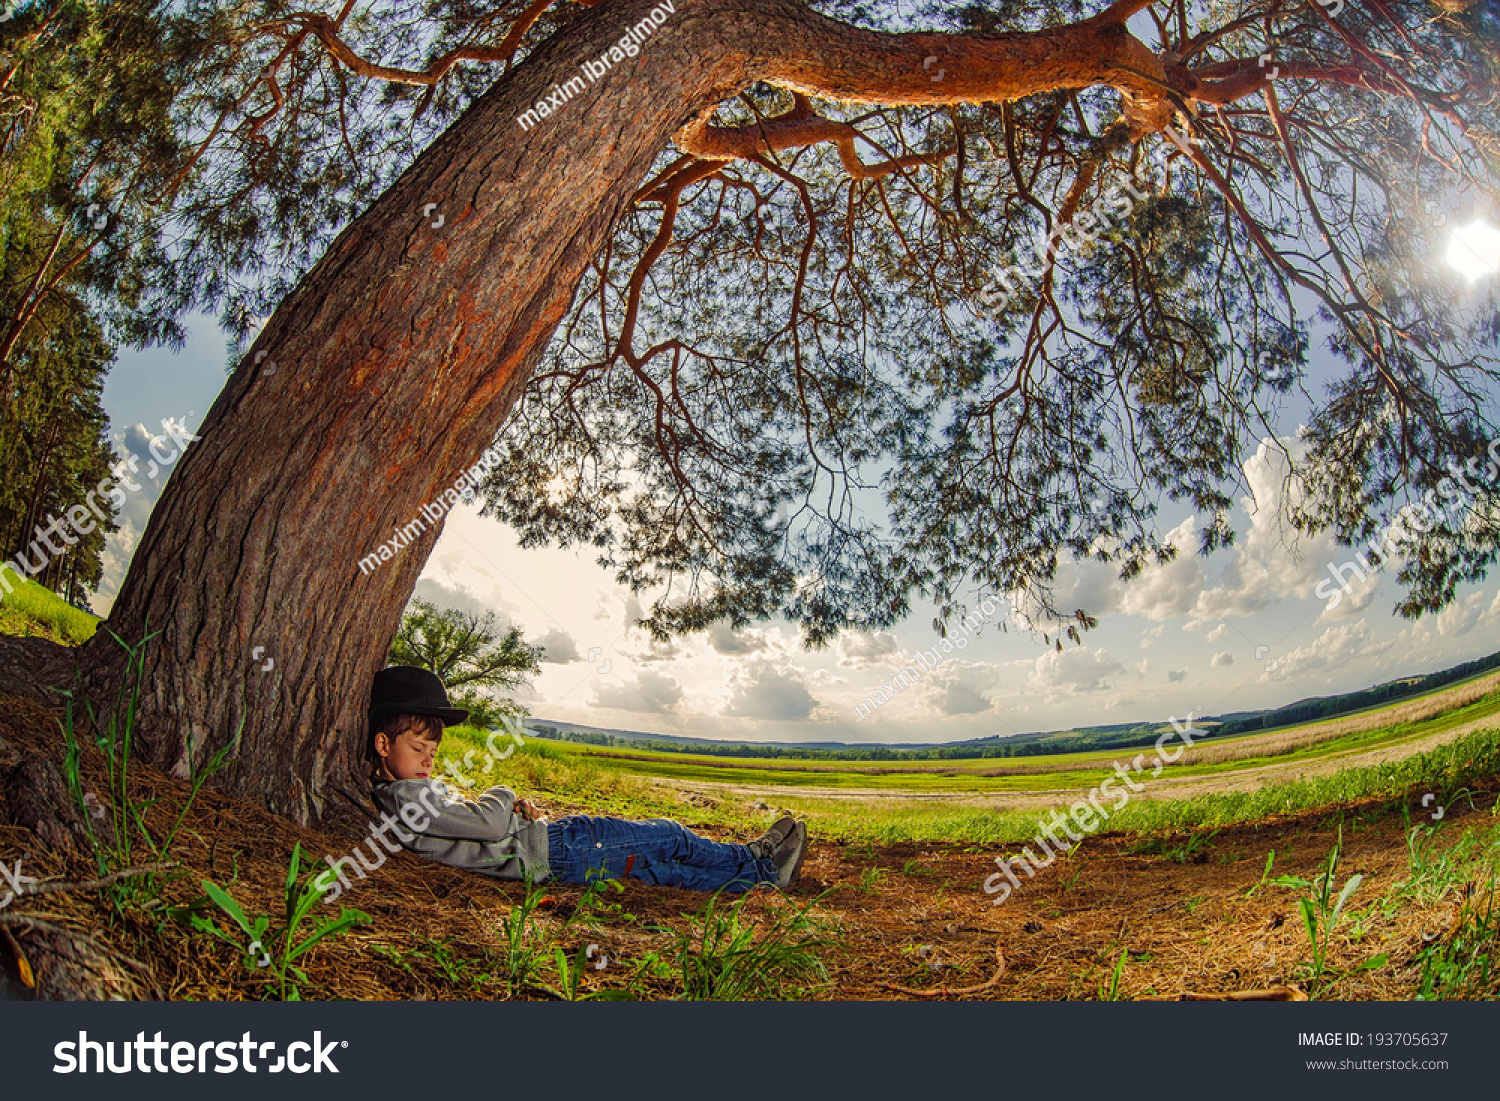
[782, 388]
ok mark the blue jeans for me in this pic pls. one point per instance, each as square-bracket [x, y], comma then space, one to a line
[581, 849]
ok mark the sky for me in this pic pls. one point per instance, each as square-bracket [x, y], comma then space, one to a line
[1241, 629]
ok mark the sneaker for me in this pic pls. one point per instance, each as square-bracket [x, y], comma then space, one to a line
[788, 858]
[767, 843]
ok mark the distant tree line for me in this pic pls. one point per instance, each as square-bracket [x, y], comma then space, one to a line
[1025, 745]
[1309, 710]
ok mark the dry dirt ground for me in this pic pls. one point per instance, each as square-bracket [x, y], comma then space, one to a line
[906, 915]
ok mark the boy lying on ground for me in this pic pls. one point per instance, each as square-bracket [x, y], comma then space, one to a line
[506, 837]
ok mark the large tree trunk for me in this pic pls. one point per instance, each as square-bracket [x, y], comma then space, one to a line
[399, 355]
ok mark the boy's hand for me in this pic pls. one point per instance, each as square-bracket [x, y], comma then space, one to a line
[528, 810]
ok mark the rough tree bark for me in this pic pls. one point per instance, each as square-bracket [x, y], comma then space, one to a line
[399, 355]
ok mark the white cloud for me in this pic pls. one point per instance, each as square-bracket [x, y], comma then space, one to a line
[1492, 613]
[1217, 633]
[724, 640]
[634, 610]
[641, 646]
[961, 687]
[1460, 617]
[457, 598]
[1222, 658]
[861, 650]
[560, 647]
[1333, 649]
[1073, 671]
[959, 699]
[649, 693]
[1166, 591]
[1243, 587]
[1270, 562]
[1342, 569]
[769, 691]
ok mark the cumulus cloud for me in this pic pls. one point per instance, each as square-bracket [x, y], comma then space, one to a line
[638, 644]
[724, 640]
[1354, 602]
[1333, 649]
[1161, 591]
[1217, 633]
[1165, 591]
[1269, 563]
[960, 687]
[649, 693]
[634, 610]
[1492, 613]
[1222, 658]
[1073, 671]
[1176, 676]
[560, 647]
[861, 649]
[958, 698]
[1462, 616]
[1242, 587]
[1273, 561]
[769, 691]
[457, 598]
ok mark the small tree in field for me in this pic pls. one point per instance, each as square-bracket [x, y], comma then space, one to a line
[460, 647]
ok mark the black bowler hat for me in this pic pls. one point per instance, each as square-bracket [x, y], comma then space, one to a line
[410, 690]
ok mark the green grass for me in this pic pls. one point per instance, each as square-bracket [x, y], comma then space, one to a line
[1472, 759]
[30, 609]
[1467, 964]
[725, 956]
[602, 784]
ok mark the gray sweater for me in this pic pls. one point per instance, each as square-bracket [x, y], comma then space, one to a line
[484, 835]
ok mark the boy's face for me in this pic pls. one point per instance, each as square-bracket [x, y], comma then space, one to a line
[407, 757]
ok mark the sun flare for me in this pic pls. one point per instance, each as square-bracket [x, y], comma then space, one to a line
[1474, 250]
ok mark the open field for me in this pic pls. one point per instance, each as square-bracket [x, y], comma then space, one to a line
[1363, 738]
[1379, 754]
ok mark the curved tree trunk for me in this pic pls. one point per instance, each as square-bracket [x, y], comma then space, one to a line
[400, 353]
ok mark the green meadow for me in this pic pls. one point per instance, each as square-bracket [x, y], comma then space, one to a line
[1019, 775]
[568, 778]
